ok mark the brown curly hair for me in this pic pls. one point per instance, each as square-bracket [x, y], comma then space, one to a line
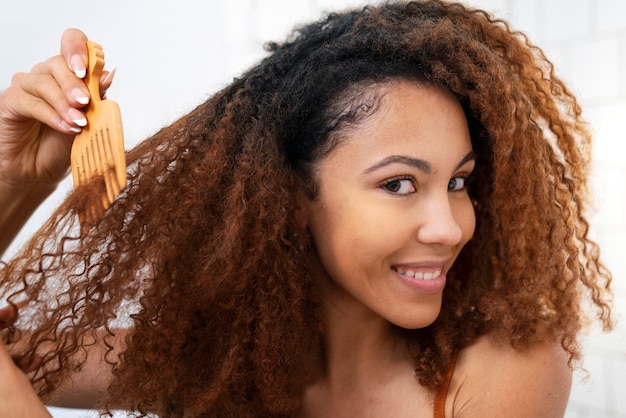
[204, 253]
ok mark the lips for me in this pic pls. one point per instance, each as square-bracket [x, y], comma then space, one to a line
[420, 273]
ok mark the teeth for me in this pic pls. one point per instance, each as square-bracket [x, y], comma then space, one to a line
[419, 275]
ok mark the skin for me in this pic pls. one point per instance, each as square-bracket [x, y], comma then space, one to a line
[377, 215]
[416, 224]
[392, 198]
[16, 392]
[494, 380]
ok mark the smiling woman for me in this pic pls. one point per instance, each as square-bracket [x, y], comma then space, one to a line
[383, 218]
[386, 224]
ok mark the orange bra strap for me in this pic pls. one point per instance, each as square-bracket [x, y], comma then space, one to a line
[440, 398]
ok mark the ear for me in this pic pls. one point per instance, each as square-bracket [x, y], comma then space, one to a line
[302, 207]
[306, 192]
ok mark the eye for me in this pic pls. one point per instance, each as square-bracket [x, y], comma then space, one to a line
[400, 186]
[457, 184]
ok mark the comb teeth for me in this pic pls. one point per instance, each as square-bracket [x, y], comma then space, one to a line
[97, 160]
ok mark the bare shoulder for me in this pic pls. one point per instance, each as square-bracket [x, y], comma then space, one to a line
[494, 380]
[87, 387]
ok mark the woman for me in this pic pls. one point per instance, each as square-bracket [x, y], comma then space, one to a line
[385, 217]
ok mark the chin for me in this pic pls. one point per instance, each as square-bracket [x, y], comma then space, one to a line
[420, 319]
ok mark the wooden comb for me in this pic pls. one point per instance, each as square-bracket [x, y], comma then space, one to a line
[98, 150]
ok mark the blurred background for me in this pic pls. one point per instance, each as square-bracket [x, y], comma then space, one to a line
[171, 56]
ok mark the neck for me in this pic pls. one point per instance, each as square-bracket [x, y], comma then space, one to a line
[358, 344]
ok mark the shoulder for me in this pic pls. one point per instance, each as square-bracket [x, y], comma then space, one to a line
[87, 386]
[494, 380]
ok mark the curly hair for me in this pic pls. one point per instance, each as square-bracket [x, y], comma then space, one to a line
[205, 254]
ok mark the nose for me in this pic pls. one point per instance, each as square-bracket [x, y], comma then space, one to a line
[439, 223]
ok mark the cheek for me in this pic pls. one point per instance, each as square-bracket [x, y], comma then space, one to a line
[337, 229]
[346, 238]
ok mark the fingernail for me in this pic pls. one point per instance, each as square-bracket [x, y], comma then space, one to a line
[80, 97]
[109, 77]
[80, 122]
[77, 117]
[74, 129]
[78, 66]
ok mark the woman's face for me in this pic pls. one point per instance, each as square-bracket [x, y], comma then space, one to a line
[392, 212]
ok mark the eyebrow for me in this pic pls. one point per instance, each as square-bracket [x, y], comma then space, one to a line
[471, 156]
[418, 163]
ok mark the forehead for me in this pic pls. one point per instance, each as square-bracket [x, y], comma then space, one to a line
[404, 116]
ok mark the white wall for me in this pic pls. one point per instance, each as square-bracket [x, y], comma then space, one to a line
[170, 56]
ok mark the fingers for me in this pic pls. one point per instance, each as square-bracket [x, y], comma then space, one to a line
[105, 82]
[17, 396]
[48, 98]
[51, 93]
[74, 51]
[73, 88]
[58, 83]
[76, 56]
[8, 316]
[42, 110]
[9, 313]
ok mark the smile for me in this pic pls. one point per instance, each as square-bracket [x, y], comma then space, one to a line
[420, 275]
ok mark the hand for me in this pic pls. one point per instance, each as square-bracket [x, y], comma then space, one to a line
[40, 113]
[17, 396]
